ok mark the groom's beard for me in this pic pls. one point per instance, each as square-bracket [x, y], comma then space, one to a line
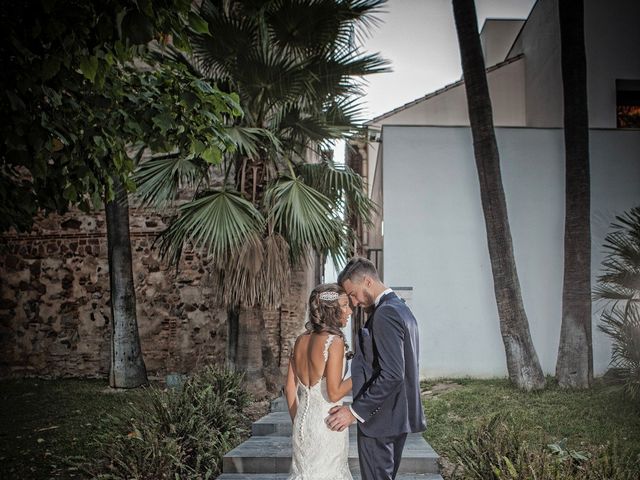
[370, 300]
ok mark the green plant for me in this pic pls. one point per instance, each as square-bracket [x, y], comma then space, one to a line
[298, 69]
[175, 434]
[612, 461]
[560, 450]
[496, 450]
[81, 96]
[619, 287]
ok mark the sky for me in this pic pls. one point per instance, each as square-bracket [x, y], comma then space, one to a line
[419, 38]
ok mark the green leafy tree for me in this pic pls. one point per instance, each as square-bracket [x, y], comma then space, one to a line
[297, 69]
[83, 104]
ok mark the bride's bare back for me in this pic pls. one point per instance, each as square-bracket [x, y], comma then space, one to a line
[308, 357]
[308, 366]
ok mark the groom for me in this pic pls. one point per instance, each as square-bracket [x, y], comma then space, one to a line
[385, 374]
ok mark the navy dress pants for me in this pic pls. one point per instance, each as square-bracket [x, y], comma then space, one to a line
[380, 456]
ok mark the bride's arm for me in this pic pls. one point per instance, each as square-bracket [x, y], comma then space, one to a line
[337, 387]
[291, 390]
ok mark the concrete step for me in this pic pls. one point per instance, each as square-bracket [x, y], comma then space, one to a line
[284, 476]
[272, 454]
[279, 404]
[278, 424]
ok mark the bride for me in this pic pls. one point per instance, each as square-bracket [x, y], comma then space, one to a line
[316, 383]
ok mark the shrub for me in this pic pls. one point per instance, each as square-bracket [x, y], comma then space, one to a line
[619, 286]
[496, 451]
[623, 327]
[175, 434]
[612, 462]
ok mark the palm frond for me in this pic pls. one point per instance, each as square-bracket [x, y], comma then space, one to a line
[344, 187]
[159, 179]
[336, 74]
[620, 277]
[249, 141]
[258, 274]
[232, 35]
[623, 251]
[220, 223]
[619, 285]
[303, 25]
[630, 223]
[346, 114]
[306, 218]
[320, 26]
[622, 325]
[270, 77]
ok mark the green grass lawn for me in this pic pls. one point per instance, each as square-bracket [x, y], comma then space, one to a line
[586, 419]
[44, 421]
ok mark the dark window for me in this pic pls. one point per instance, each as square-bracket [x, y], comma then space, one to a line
[628, 103]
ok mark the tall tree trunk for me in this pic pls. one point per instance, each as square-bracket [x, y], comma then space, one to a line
[232, 338]
[127, 369]
[522, 361]
[574, 367]
[244, 346]
[248, 354]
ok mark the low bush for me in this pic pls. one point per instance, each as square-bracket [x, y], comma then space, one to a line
[619, 287]
[175, 434]
[496, 451]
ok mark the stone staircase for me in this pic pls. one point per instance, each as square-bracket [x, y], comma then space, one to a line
[266, 455]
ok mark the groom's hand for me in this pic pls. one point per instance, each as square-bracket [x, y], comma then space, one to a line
[340, 418]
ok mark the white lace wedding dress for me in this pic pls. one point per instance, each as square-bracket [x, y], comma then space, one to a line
[318, 453]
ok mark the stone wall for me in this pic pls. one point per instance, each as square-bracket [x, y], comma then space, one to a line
[55, 311]
[282, 326]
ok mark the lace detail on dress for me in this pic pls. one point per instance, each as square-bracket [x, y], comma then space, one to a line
[309, 462]
[327, 344]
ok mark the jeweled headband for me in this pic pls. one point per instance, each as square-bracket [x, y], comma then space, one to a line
[329, 296]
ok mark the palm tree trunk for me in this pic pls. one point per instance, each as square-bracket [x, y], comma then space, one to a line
[522, 361]
[127, 369]
[244, 346]
[574, 367]
[248, 354]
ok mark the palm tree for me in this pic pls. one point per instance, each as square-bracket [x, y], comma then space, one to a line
[296, 68]
[522, 361]
[574, 367]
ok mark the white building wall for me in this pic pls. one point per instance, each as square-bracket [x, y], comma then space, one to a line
[613, 52]
[539, 40]
[497, 36]
[612, 37]
[506, 89]
[435, 238]
[615, 187]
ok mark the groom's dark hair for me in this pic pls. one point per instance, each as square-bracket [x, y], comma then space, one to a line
[356, 269]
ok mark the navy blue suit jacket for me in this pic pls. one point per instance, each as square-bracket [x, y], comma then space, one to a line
[385, 374]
